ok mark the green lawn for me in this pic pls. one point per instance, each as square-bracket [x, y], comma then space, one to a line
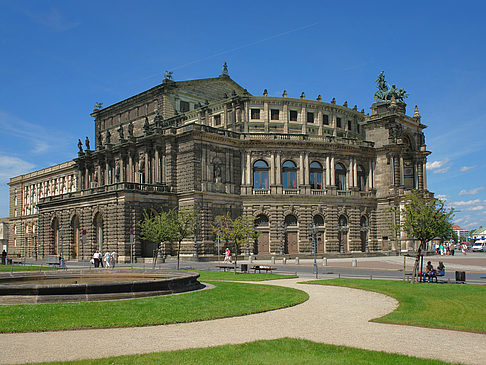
[453, 306]
[226, 300]
[282, 351]
[9, 268]
[218, 275]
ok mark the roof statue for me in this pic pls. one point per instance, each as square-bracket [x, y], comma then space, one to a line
[97, 106]
[80, 145]
[168, 75]
[385, 94]
[86, 142]
[224, 72]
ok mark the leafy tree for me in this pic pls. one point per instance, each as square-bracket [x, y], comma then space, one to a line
[172, 226]
[235, 230]
[425, 218]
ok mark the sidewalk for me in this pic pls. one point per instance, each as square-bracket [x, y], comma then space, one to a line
[332, 315]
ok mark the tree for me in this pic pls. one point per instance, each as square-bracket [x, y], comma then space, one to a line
[235, 230]
[425, 218]
[173, 226]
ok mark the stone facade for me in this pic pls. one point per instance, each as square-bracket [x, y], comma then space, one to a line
[210, 145]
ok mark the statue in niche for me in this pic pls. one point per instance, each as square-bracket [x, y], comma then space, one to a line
[146, 126]
[100, 140]
[108, 137]
[120, 132]
[117, 170]
[80, 146]
[86, 142]
[130, 129]
[217, 172]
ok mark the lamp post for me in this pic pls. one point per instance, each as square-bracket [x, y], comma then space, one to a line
[314, 247]
[195, 231]
[218, 240]
[283, 233]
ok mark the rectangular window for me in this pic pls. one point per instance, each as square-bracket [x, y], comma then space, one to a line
[310, 117]
[217, 120]
[255, 113]
[184, 106]
[357, 128]
[338, 122]
[274, 114]
[325, 119]
[349, 125]
[293, 115]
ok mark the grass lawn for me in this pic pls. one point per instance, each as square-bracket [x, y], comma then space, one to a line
[452, 306]
[282, 351]
[219, 275]
[9, 268]
[226, 300]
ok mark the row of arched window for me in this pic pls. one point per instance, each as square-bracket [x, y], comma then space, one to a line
[291, 220]
[316, 173]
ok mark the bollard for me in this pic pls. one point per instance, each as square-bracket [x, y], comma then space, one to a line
[324, 261]
[296, 260]
[354, 263]
[272, 260]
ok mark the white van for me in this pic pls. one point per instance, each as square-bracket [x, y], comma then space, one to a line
[479, 246]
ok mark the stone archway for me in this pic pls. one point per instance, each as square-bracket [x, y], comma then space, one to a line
[343, 234]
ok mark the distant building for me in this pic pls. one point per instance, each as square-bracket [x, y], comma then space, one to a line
[208, 144]
[479, 233]
[4, 234]
[461, 233]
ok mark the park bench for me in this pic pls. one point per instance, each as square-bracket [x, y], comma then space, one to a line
[53, 260]
[431, 278]
[226, 267]
[262, 267]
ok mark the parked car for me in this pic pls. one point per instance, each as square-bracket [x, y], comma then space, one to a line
[479, 246]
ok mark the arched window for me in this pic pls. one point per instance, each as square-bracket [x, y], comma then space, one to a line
[289, 175]
[318, 220]
[260, 175]
[361, 178]
[290, 220]
[261, 221]
[315, 177]
[343, 221]
[340, 177]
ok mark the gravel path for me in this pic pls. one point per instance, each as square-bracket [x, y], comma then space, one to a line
[332, 315]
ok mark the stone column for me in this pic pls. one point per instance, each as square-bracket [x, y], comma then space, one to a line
[156, 165]
[146, 170]
[328, 172]
[303, 119]
[370, 174]
[306, 168]
[248, 168]
[130, 167]
[227, 167]
[319, 122]
[424, 169]
[355, 173]
[225, 116]
[402, 172]
[278, 173]
[301, 169]
[396, 170]
[243, 172]
[266, 116]
[334, 123]
[333, 175]
[272, 169]
[107, 174]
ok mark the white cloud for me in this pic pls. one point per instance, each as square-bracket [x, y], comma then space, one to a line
[38, 137]
[465, 203]
[13, 166]
[471, 192]
[466, 168]
[477, 207]
[442, 197]
[439, 167]
[52, 18]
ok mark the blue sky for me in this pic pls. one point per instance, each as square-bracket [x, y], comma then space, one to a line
[58, 58]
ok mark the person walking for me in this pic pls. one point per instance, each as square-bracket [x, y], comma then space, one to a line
[4, 257]
[96, 260]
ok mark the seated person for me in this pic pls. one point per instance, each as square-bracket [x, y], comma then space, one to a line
[429, 271]
[441, 269]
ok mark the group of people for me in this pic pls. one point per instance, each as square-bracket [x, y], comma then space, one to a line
[445, 248]
[109, 259]
[430, 272]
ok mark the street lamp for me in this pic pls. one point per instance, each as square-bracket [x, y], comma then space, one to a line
[283, 233]
[62, 246]
[195, 230]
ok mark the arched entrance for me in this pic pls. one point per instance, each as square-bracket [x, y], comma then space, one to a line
[319, 223]
[75, 238]
[343, 234]
[292, 229]
[98, 228]
[262, 225]
[364, 228]
[55, 235]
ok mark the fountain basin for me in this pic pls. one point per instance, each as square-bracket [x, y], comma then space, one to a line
[84, 285]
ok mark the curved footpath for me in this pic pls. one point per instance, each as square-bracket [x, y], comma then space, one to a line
[332, 315]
